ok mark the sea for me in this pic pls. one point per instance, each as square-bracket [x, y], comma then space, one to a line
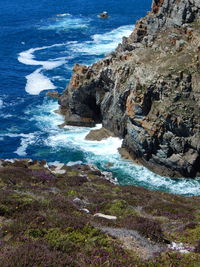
[40, 41]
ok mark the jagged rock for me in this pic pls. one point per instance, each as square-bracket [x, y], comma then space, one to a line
[147, 91]
[99, 134]
[103, 15]
[53, 94]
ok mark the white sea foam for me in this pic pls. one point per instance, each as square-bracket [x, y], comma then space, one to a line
[72, 136]
[27, 57]
[26, 140]
[104, 148]
[37, 82]
[114, 35]
[67, 23]
[72, 163]
[58, 78]
[6, 116]
[63, 15]
[1, 103]
[140, 175]
[103, 43]
[100, 44]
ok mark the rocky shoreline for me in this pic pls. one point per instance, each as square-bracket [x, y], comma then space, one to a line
[59, 215]
[147, 91]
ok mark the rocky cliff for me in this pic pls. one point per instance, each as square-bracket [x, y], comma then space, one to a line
[147, 91]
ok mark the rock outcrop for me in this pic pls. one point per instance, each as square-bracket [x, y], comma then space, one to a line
[99, 134]
[147, 91]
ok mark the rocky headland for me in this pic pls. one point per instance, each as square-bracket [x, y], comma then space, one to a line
[147, 91]
[59, 215]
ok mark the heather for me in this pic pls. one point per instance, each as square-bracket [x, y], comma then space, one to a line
[52, 218]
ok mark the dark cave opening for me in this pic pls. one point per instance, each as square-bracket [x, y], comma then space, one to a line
[94, 107]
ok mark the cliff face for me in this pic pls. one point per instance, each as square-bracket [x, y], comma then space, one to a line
[147, 91]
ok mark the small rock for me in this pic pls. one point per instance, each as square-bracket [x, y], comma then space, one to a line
[85, 210]
[103, 15]
[98, 135]
[77, 200]
[7, 237]
[179, 45]
[179, 247]
[58, 169]
[53, 94]
[109, 217]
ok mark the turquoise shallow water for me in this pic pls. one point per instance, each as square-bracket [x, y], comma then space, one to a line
[40, 42]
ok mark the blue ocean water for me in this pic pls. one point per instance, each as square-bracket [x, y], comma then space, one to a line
[40, 41]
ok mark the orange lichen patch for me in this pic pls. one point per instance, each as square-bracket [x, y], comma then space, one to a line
[130, 104]
[74, 83]
[79, 73]
[140, 30]
[156, 5]
[149, 127]
[80, 69]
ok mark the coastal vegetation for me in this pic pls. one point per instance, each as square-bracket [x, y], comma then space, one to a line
[73, 216]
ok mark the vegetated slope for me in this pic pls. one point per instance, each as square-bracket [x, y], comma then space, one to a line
[147, 91]
[72, 216]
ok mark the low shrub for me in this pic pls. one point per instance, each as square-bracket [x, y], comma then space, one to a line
[175, 211]
[197, 247]
[147, 227]
[71, 240]
[34, 254]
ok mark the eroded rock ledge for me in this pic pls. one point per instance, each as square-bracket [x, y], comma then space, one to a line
[147, 91]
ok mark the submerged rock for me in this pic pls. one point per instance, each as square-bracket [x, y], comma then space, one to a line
[147, 91]
[103, 15]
